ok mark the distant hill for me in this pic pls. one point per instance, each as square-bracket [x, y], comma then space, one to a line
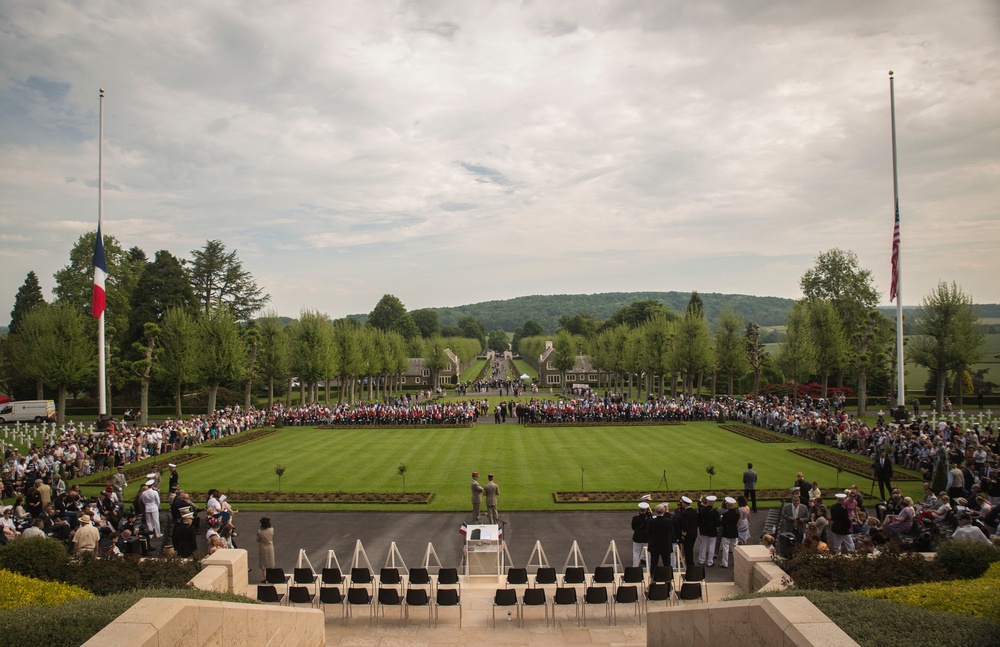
[509, 314]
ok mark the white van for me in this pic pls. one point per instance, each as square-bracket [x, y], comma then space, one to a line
[28, 411]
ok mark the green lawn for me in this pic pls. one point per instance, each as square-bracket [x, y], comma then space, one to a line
[530, 463]
[472, 373]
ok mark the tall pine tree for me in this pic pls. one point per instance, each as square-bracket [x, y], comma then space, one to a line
[28, 297]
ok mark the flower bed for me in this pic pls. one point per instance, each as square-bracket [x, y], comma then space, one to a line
[242, 438]
[20, 591]
[137, 472]
[632, 496]
[848, 462]
[978, 598]
[322, 497]
[756, 433]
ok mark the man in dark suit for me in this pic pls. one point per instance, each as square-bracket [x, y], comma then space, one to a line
[750, 486]
[661, 537]
[883, 472]
[794, 516]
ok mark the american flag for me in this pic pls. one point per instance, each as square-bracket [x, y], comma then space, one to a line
[895, 257]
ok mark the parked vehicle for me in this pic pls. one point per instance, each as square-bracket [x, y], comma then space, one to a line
[28, 411]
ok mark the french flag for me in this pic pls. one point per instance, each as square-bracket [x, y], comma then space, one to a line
[100, 275]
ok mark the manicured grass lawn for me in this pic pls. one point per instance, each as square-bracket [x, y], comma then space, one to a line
[524, 368]
[472, 373]
[530, 463]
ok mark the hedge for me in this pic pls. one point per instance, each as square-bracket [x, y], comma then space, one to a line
[75, 622]
[979, 598]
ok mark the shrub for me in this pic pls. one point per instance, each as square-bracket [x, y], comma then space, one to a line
[19, 591]
[823, 572]
[879, 623]
[979, 598]
[965, 559]
[109, 575]
[75, 622]
[40, 558]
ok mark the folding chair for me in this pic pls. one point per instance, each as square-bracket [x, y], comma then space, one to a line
[276, 576]
[268, 593]
[574, 575]
[628, 594]
[358, 597]
[390, 577]
[332, 577]
[506, 598]
[417, 598]
[300, 595]
[304, 576]
[603, 575]
[545, 575]
[516, 577]
[693, 586]
[419, 577]
[534, 598]
[448, 598]
[363, 576]
[566, 596]
[449, 577]
[331, 595]
[387, 598]
[659, 592]
[596, 595]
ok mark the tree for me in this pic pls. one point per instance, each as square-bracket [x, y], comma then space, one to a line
[472, 328]
[529, 328]
[756, 354]
[948, 337]
[582, 324]
[566, 350]
[730, 347]
[426, 321]
[391, 314]
[29, 296]
[797, 355]
[873, 343]
[693, 351]
[59, 346]
[657, 337]
[348, 356]
[75, 282]
[827, 332]
[163, 284]
[695, 304]
[251, 340]
[222, 352]
[498, 341]
[219, 281]
[633, 315]
[178, 363]
[272, 352]
[437, 358]
[312, 354]
[149, 350]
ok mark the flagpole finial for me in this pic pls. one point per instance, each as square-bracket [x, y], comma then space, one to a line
[102, 89]
[890, 76]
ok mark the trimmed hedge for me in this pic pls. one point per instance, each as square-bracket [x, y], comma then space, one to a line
[47, 559]
[20, 591]
[810, 569]
[965, 559]
[879, 623]
[74, 623]
[979, 598]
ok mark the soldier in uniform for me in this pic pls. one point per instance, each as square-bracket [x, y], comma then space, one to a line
[477, 497]
[492, 491]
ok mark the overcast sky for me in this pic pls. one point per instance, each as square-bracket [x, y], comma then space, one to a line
[455, 152]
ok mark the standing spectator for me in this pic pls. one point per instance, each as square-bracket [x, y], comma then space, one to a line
[841, 526]
[661, 538]
[119, 483]
[794, 516]
[883, 472]
[730, 529]
[174, 477]
[477, 497]
[265, 546]
[640, 532]
[185, 536]
[708, 527]
[86, 538]
[150, 498]
[743, 525]
[686, 528]
[750, 486]
[491, 491]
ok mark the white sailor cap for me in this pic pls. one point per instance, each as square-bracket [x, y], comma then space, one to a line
[711, 498]
[686, 500]
[643, 505]
[730, 500]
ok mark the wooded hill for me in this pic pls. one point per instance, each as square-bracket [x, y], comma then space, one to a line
[509, 314]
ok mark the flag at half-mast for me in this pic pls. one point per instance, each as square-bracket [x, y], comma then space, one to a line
[895, 257]
[100, 275]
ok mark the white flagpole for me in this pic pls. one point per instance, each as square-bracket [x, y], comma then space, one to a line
[102, 401]
[900, 370]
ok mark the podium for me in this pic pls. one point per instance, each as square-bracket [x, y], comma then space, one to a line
[483, 550]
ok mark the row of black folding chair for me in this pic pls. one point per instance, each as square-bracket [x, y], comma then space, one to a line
[592, 596]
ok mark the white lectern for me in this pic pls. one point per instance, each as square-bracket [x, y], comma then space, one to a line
[483, 549]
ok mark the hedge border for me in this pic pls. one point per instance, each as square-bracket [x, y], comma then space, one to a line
[416, 426]
[631, 496]
[755, 433]
[629, 423]
[849, 462]
[412, 498]
[242, 438]
[138, 471]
